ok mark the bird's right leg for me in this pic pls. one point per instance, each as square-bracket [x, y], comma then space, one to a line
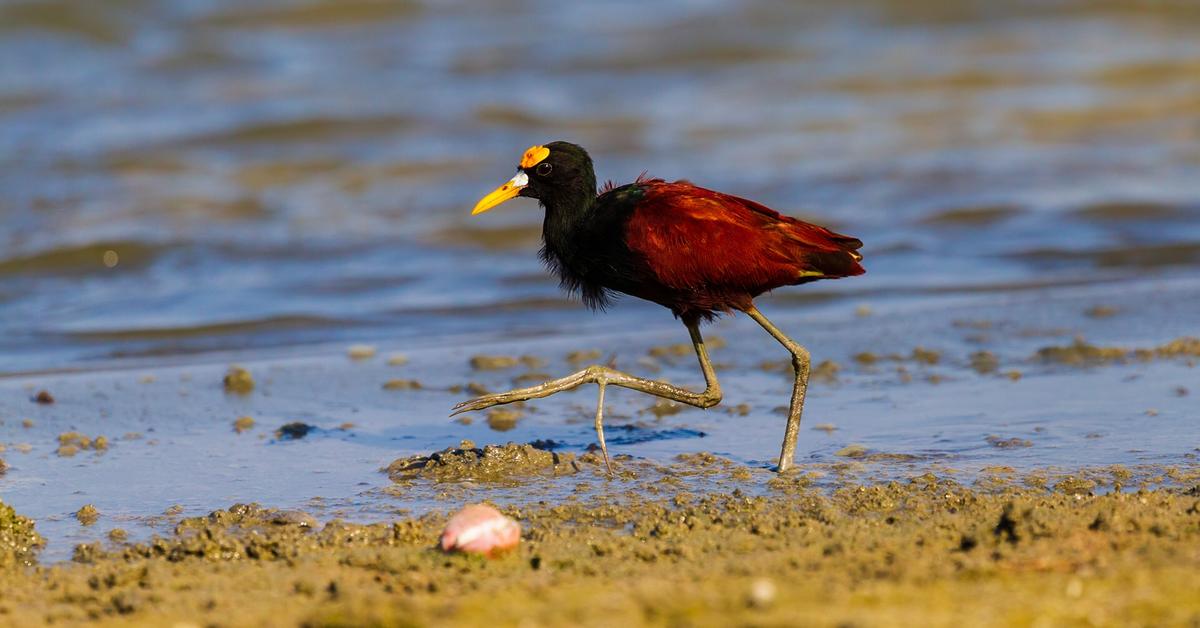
[800, 364]
[605, 376]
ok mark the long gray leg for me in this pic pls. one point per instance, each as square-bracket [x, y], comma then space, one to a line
[605, 376]
[800, 364]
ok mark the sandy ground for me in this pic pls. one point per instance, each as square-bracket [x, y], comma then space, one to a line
[746, 547]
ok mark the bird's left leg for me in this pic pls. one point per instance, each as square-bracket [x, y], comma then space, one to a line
[800, 364]
[604, 376]
[600, 428]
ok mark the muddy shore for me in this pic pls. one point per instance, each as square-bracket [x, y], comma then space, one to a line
[1011, 549]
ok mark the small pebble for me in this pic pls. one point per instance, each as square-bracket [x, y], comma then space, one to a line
[480, 529]
[762, 593]
[293, 431]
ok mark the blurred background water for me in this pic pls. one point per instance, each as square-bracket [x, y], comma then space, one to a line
[183, 176]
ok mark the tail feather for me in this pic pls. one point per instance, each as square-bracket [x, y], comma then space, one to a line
[825, 254]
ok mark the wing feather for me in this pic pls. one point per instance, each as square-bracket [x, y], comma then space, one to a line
[698, 239]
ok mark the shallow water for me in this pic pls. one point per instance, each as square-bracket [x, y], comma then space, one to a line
[185, 185]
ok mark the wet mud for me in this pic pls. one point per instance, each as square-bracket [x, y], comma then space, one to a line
[766, 550]
[511, 463]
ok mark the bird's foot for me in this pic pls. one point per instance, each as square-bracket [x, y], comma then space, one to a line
[544, 389]
[486, 401]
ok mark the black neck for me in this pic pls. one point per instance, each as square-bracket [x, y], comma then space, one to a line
[567, 210]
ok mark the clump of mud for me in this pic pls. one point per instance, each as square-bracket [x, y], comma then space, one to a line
[1082, 353]
[19, 542]
[402, 384]
[1007, 443]
[252, 532]
[503, 419]
[984, 362]
[826, 371]
[491, 463]
[492, 362]
[243, 424]
[71, 443]
[578, 358]
[360, 352]
[397, 359]
[88, 514]
[238, 381]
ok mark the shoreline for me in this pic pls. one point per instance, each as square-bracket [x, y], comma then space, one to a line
[927, 550]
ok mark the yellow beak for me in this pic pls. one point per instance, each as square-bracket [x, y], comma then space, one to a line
[508, 191]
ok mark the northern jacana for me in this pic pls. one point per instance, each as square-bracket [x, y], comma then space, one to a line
[694, 251]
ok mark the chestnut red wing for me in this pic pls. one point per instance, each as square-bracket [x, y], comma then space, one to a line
[698, 239]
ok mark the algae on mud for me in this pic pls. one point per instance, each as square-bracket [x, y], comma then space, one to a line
[19, 542]
[491, 463]
[925, 551]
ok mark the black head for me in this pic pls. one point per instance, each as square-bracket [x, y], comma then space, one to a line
[558, 174]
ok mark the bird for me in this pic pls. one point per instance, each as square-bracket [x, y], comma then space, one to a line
[697, 252]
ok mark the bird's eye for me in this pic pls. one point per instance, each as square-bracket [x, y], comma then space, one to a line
[544, 169]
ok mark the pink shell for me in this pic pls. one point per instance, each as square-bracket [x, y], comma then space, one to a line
[480, 529]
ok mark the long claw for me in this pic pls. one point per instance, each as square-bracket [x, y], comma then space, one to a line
[478, 403]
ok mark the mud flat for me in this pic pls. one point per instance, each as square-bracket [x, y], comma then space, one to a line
[1011, 549]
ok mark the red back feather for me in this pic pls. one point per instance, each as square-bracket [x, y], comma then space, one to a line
[700, 240]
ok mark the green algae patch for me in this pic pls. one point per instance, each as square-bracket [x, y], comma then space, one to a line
[491, 463]
[19, 542]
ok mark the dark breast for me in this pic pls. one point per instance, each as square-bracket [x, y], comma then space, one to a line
[594, 259]
[589, 255]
